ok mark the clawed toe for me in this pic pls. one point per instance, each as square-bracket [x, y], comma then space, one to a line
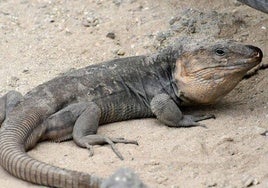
[193, 120]
[202, 117]
[124, 141]
[90, 140]
[115, 150]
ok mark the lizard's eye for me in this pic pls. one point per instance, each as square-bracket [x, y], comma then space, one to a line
[220, 52]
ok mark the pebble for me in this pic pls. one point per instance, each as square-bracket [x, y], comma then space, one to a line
[265, 133]
[13, 81]
[174, 19]
[90, 20]
[26, 71]
[225, 139]
[152, 163]
[211, 184]
[161, 36]
[117, 2]
[161, 179]
[258, 130]
[111, 35]
[249, 181]
[191, 29]
[237, 3]
[121, 52]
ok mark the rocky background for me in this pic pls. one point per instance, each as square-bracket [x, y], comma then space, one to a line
[40, 39]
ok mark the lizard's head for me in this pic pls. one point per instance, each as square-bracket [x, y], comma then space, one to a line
[206, 74]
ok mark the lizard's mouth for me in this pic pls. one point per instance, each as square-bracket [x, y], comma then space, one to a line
[245, 63]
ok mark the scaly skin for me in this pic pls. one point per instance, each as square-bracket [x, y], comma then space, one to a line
[74, 105]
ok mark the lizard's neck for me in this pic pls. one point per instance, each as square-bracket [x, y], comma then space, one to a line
[164, 65]
[168, 56]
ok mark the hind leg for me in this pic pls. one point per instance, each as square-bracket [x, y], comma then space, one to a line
[79, 121]
[85, 129]
[8, 102]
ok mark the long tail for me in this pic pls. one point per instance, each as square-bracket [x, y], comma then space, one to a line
[14, 135]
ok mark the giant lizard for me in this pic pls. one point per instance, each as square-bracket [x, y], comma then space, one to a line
[76, 103]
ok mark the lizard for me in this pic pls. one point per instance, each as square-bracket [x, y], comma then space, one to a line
[73, 105]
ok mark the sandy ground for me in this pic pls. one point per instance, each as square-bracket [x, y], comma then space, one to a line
[41, 39]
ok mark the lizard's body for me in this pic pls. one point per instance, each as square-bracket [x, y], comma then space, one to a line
[136, 87]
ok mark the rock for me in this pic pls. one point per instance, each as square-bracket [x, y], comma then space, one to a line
[152, 163]
[13, 81]
[191, 26]
[249, 181]
[25, 71]
[237, 3]
[90, 20]
[161, 179]
[121, 52]
[117, 2]
[174, 19]
[265, 133]
[111, 35]
[211, 183]
[257, 130]
[161, 36]
[123, 178]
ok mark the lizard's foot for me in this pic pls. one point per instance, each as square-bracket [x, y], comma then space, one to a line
[90, 140]
[192, 120]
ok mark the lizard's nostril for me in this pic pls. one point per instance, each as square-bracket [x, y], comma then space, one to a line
[256, 52]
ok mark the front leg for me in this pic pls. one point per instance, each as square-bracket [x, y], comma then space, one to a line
[167, 111]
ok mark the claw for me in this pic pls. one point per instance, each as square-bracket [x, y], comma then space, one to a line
[211, 116]
[203, 117]
[124, 141]
[115, 150]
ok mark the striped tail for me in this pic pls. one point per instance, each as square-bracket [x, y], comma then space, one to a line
[15, 135]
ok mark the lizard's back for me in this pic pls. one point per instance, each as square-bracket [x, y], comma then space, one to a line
[117, 87]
